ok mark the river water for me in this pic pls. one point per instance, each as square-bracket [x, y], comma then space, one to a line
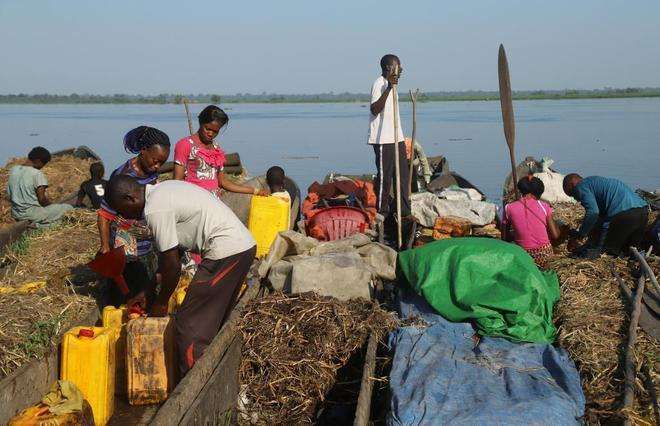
[613, 137]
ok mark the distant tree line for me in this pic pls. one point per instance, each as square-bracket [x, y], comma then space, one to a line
[469, 95]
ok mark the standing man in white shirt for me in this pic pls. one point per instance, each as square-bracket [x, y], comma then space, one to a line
[180, 214]
[381, 137]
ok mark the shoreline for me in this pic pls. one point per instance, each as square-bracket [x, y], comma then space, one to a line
[277, 99]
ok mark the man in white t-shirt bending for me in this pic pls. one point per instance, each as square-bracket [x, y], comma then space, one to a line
[381, 136]
[180, 214]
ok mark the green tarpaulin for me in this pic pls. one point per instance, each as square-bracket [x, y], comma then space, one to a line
[492, 283]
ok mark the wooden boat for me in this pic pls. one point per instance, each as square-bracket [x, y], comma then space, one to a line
[206, 395]
[441, 177]
[12, 232]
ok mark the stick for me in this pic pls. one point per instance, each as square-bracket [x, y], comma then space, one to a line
[363, 409]
[646, 268]
[190, 125]
[413, 99]
[506, 103]
[629, 366]
[397, 168]
[650, 387]
[624, 288]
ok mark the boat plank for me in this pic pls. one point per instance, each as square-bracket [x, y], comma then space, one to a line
[215, 403]
[174, 410]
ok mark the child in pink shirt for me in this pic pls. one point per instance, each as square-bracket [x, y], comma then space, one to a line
[199, 160]
[531, 220]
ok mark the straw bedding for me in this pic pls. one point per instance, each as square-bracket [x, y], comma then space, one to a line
[30, 323]
[592, 317]
[64, 173]
[294, 347]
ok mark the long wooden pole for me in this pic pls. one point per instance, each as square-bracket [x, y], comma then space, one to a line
[506, 102]
[629, 366]
[646, 268]
[413, 99]
[397, 168]
[190, 125]
[363, 409]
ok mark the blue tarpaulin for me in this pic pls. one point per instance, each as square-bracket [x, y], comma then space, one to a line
[439, 377]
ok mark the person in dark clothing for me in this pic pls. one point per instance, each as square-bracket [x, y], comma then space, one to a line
[613, 210]
[94, 188]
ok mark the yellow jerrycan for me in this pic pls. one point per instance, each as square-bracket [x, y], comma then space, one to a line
[115, 319]
[268, 216]
[179, 293]
[151, 366]
[88, 360]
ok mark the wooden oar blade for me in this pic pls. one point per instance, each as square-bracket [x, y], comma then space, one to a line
[505, 98]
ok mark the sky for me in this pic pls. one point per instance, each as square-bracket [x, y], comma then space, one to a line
[296, 46]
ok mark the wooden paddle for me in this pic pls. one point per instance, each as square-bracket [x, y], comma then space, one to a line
[413, 99]
[190, 125]
[507, 113]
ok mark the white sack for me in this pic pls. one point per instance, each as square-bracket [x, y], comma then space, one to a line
[427, 207]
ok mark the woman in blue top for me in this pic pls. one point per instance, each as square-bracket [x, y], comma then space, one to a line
[152, 147]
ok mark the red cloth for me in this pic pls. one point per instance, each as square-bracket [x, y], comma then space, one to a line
[362, 190]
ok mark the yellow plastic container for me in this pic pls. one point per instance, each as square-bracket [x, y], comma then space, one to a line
[150, 360]
[88, 360]
[268, 217]
[115, 319]
[179, 293]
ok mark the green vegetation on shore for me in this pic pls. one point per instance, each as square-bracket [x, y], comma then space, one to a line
[472, 95]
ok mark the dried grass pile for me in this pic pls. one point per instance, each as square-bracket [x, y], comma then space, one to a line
[294, 346]
[64, 173]
[592, 317]
[30, 323]
[569, 213]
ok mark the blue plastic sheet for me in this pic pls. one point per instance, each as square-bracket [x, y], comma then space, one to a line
[439, 377]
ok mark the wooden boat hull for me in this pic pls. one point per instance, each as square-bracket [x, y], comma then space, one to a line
[206, 395]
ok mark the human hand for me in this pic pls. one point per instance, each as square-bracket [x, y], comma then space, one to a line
[393, 79]
[263, 192]
[139, 300]
[104, 249]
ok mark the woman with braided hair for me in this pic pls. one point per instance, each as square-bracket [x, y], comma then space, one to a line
[152, 148]
[198, 159]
